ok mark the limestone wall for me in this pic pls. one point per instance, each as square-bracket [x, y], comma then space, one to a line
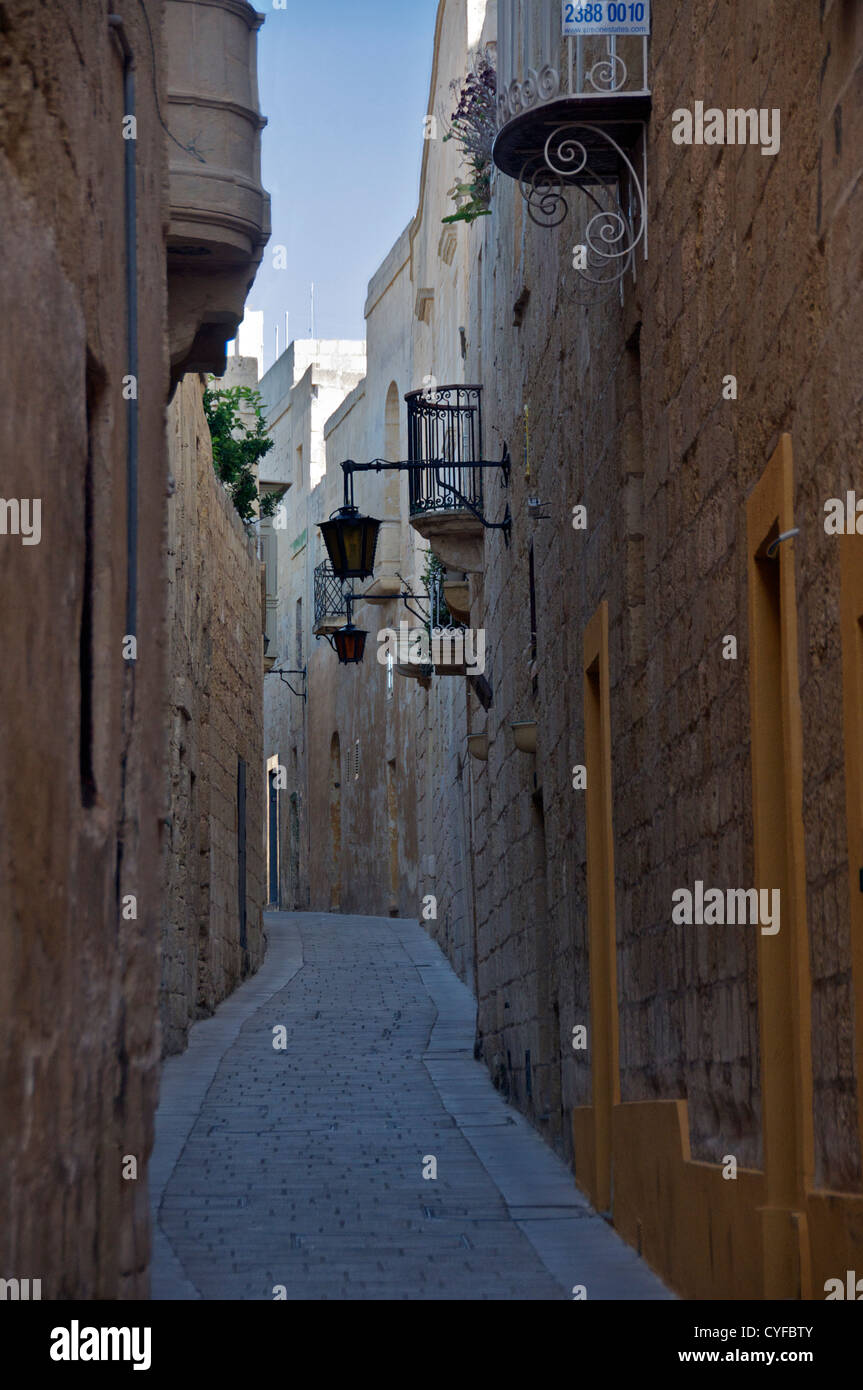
[308, 381]
[627, 416]
[215, 631]
[82, 795]
[346, 825]
[750, 274]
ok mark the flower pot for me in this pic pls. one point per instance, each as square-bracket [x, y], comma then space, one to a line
[525, 735]
[457, 597]
[477, 745]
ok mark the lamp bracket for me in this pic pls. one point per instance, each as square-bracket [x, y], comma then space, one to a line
[407, 593]
[350, 467]
[301, 694]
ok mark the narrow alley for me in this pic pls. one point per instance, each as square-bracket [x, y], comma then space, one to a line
[298, 1173]
[431, 606]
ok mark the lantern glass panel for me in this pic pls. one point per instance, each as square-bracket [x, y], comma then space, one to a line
[351, 542]
[350, 645]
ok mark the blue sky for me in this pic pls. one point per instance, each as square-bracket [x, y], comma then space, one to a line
[344, 85]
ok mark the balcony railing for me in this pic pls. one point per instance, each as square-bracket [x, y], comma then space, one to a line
[444, 434]
[572, 115]
[330, 600]
[538, 64]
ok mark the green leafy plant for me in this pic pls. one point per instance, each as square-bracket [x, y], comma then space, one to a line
[434, 575]
[474, 126]
[239, 446]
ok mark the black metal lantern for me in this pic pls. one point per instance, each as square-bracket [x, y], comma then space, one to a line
[351, 542]
[350, 644]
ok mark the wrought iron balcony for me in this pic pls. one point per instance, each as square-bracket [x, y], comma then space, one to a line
[445, 448]
[444, 433]
[446, 493]
[331, 609]
[572, 113]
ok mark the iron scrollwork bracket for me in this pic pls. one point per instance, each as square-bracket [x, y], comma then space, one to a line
[613, 233]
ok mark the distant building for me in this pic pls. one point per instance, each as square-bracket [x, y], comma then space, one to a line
[249, 342]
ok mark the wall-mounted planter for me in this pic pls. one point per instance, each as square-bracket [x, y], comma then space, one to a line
[457, 597]
[445, 668]
[524, 734]
[477, 746]
[414, 671]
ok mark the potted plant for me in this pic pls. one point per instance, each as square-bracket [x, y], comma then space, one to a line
[474, 125]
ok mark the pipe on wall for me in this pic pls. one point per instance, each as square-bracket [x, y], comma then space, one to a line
[131, 219]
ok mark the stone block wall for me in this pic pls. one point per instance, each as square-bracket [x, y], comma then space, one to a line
[752, 273]
[81, 768]
[627, 417]
[216, 651]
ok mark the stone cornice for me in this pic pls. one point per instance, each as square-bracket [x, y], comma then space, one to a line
[248, 113]
[238, 7]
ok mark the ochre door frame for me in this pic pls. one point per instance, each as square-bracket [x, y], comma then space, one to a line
[851, 620]
[602, 929]
[273, 765]
[784, 984]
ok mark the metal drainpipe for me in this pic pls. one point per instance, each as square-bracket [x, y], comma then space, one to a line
[116, 23]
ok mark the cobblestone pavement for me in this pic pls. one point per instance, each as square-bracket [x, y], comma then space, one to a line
[303, 1168]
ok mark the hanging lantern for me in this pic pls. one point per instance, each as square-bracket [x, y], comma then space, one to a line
[351, 542]
[350, 644]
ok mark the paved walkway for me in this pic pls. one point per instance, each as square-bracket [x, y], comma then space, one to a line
[302, 1168]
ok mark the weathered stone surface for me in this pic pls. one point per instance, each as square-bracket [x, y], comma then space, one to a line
[754, 271]
[84, 788]
[82, 793]
[215, 628]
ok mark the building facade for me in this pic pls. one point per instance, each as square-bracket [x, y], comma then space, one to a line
[213, 930]
[107, 225]
[649, 874]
